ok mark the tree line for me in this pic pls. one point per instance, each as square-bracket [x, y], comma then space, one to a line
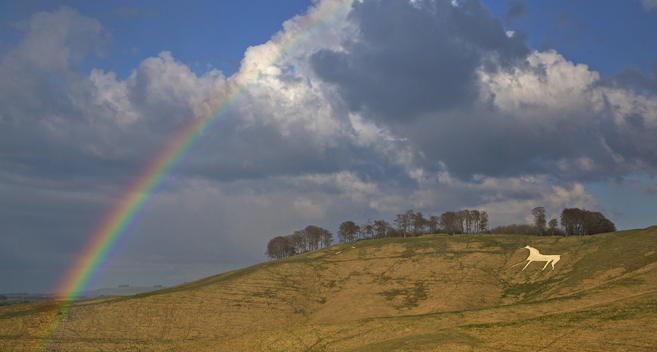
[406, 224]
[301, 241]
[574, 222]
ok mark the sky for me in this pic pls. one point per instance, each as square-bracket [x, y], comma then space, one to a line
[427, 105]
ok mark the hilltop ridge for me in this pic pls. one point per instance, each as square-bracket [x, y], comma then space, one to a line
[433, 292]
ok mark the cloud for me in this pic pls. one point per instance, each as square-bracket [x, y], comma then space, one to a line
[632, 78]
[568, 30]
[411, 58]
[649, 4]
[427, 105]
[645, 189]
[516, 9]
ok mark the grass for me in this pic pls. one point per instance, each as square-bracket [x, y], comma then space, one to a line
[433, 292]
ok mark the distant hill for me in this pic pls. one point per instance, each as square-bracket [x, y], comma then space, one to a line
[23, 297]
[428, 293]
[118, 291]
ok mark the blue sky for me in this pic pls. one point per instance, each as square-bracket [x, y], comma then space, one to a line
[607, 37]
[427, 105]
[200, 34]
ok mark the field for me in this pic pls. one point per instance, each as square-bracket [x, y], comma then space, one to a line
[428, 293]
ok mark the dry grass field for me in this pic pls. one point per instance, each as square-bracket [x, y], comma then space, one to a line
[428, 293]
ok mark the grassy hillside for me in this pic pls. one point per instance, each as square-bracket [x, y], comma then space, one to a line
[429, 293]
[118, 291]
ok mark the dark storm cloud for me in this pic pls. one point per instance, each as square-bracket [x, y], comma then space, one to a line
[412, 58]
[418, 67]
[479, 141]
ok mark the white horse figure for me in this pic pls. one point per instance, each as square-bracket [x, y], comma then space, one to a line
[536, 256]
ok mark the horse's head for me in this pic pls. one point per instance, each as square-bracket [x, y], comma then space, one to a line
[528, 247]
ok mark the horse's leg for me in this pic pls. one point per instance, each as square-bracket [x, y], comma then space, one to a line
[523, 269]
[546, 264]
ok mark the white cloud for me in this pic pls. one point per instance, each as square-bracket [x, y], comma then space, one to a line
[550, 87]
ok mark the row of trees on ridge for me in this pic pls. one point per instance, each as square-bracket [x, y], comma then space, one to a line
[301, 241]
[574, 222]
[405, 224]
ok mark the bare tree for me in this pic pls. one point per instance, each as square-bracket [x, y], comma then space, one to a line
[553, 226]
[303, 240]
[297, 241]
[461, 216]
[419, 222]
[409, 216]
[401, 222]
[314, 235]
[368, 229]
[347, 231]
[449, 221]
[381, 228]
[433, 223]
[483, 222]
[539, 219]
[475, 217]
[326, 237]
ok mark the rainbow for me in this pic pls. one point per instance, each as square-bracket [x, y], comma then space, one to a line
[125, 210]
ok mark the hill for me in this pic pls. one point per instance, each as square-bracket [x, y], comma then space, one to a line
[428, 293]
[118, 291]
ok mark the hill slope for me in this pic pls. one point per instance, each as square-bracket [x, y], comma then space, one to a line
[434, 292]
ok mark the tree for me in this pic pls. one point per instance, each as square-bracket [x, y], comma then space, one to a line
[381, 228]
[449, 221]
[314, 235]
[401, 222]
[347, 231]
[514, 229]
[568, 220]
[303, 241]
[552, 225]
[539, 219]
[580, 222]
[279, 247]
[419, 222]
[327, 238]
[462, 215]
[471, 218]
[483, 222]
[409, 216]
[595, 222]
[433, 223]
[368, 229]
[297, 241]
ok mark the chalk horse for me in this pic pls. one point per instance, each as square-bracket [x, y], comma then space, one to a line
[536, 256]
